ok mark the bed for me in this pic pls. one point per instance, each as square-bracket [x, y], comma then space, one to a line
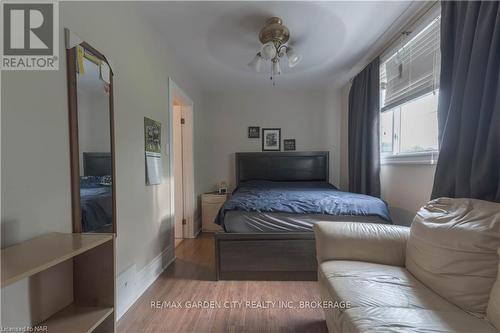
[268, 220]
[96, 194]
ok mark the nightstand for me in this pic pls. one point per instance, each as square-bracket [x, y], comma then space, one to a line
[210, 205]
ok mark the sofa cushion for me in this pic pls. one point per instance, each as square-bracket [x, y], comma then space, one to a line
[368, 285]
[493, 310]
[376, 285]
[452, 250]
[404, 320]
[371, 242]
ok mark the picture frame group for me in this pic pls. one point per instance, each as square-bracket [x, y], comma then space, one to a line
[271, 139]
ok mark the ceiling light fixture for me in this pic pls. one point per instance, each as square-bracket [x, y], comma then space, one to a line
[274, 36]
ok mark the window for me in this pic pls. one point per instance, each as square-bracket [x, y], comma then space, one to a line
[411, 127]
[409, 90]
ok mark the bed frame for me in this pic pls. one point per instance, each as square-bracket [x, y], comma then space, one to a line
[271, 256]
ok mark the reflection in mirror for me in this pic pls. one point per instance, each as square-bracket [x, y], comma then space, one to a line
[94, 145]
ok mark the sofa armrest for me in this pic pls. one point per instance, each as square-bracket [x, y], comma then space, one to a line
[370, 242]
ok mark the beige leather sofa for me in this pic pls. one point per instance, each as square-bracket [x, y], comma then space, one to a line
[440, 275]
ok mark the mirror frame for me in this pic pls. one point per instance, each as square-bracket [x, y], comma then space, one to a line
[73, 135]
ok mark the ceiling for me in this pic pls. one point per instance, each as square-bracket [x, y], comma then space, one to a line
[216, 40]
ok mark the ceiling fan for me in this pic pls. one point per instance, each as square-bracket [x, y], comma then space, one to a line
[274, 37]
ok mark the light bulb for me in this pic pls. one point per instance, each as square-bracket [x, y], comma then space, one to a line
[268, 51]
[256, 63]
[276, 70]
[293, 57]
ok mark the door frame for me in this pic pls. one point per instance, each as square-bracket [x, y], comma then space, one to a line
[176, 93]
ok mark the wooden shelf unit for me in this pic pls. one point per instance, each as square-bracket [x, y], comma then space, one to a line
[77, 319]
[93, 261]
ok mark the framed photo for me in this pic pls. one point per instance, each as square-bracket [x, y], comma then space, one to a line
[289, 144]
[271, 139]
[253, 132]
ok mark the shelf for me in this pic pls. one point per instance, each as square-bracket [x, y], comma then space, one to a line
[76, 319]
[40, 253]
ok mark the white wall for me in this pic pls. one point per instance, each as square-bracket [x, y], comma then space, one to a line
[406, 188]
[312, 118]
[35, 141]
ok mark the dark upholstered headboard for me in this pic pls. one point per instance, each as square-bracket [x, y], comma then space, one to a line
[97, 164]
[282, 166]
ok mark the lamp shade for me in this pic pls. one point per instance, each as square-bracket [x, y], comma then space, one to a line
[268, 51]
[256, 63]
[293, 57]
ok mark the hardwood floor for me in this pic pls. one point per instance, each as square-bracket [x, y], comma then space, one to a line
[190, 279]
[178, 241]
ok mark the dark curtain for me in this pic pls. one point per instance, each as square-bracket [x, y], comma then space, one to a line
[364, 119]
[469, 102]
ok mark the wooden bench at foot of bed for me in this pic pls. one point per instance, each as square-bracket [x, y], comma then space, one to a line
[265, 256]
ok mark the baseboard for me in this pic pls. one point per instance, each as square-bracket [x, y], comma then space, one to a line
[131, 284]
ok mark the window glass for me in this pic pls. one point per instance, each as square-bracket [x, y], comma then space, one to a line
[386, 132]
[419, 130]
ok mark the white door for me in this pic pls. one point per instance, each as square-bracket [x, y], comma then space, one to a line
[178, 171]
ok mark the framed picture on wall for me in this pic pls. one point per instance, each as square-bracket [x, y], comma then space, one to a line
[289, 144]
[253, 132]
[271, 139]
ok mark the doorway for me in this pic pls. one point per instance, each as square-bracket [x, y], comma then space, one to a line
[181, 163]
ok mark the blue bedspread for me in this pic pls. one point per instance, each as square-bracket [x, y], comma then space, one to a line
[301, 198]
[96, 203]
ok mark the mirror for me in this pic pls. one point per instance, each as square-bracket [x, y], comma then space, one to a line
[90, 92]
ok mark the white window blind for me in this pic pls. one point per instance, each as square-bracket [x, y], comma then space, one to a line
[413, 70]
